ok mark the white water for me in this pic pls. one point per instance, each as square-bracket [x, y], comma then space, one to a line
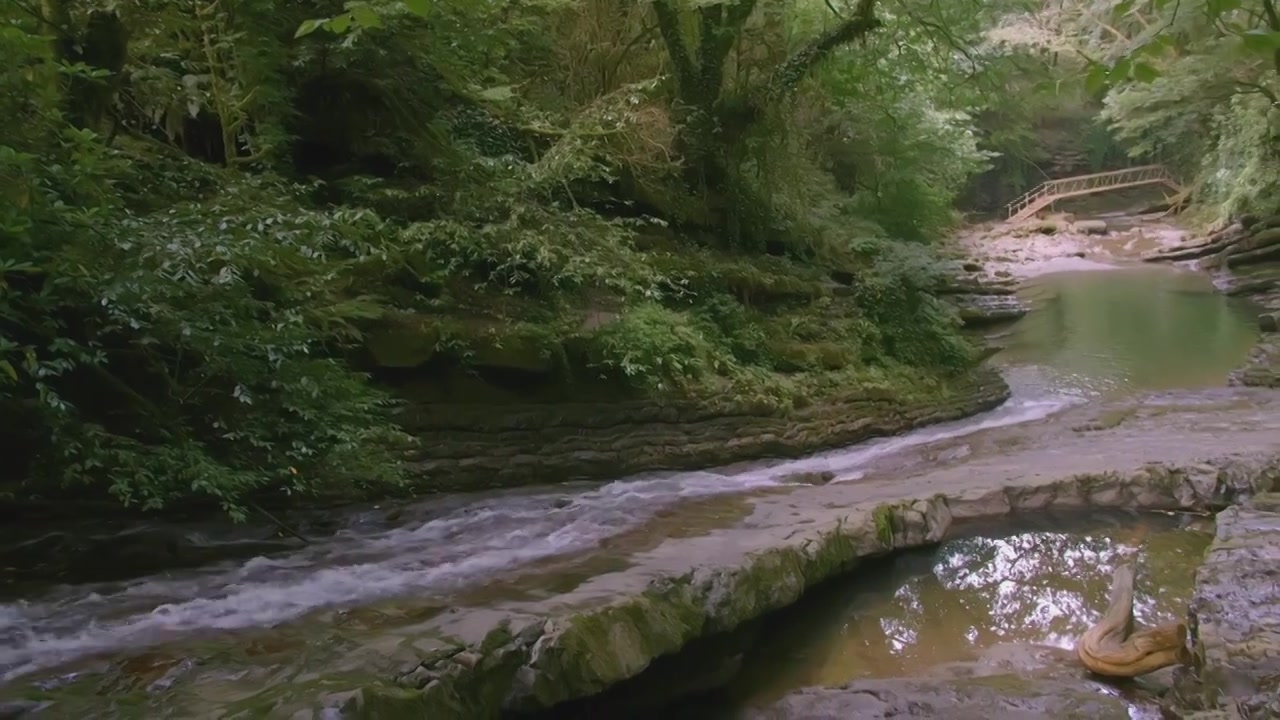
[447, 546]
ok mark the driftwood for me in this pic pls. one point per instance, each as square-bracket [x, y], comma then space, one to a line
[1113, 648]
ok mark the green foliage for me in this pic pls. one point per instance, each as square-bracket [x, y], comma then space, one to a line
[1193, 84]
[191, 352]
[655, 345]
[188, 273]
[911, 321]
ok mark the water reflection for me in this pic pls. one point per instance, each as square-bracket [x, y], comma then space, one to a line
[1131, 329]
[924, 609]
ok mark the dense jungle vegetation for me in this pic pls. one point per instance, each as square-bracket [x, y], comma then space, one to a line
[227, 225]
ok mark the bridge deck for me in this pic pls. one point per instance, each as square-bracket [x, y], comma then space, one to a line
[1051, 191]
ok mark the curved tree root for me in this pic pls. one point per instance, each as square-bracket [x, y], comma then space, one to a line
[1113, 648]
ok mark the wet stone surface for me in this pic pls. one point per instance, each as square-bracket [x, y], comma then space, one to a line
[993, 697]
[1235, 614]
[1261, 285]
[980, 310]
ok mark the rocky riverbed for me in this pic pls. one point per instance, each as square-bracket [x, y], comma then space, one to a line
[554, 634]
[1235, 637]
[1015, 683]
[989, 260]
[1062, 243]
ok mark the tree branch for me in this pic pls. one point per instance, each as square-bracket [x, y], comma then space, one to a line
[622, 54]
[1273, 20]
[1273, 17]
[798, 66]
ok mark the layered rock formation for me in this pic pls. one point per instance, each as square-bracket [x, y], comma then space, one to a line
[1235, 618]
[468, 446]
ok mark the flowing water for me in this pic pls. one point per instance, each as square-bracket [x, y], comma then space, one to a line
[1089, 335]
[1038, 583]
[435, 549]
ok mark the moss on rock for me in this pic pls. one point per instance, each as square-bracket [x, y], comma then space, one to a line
[403, 340]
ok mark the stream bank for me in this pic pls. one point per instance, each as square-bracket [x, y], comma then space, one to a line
[1235, 627]
[555, 634]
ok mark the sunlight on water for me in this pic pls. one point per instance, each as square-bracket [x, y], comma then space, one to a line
[927, 608]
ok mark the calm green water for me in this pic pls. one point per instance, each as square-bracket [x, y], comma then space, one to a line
[1120, 331]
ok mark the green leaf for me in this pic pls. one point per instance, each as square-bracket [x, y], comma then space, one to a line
[1145, 72]
[339, 24]
[364, 16]
[1121, 68]
[418, 7]
[1219, 7]
[497, 94]
[1262, 40]
[7, 367]
[1153, 46]
[309, 26]
[1096, 79]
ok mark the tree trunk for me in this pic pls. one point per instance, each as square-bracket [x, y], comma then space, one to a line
[1112, 647]
[712, 125]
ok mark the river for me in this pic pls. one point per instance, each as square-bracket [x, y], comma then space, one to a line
[1090, 335]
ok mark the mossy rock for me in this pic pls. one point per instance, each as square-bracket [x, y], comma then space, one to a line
[752, 284]
[796, 357]
[403, 341]
[515, 351]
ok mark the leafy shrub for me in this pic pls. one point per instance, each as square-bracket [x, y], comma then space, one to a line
[657, 347]
[191, 353]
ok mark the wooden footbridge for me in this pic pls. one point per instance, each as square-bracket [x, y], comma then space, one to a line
[1049, 192]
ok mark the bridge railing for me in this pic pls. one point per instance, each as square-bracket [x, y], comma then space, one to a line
[1050, 191]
